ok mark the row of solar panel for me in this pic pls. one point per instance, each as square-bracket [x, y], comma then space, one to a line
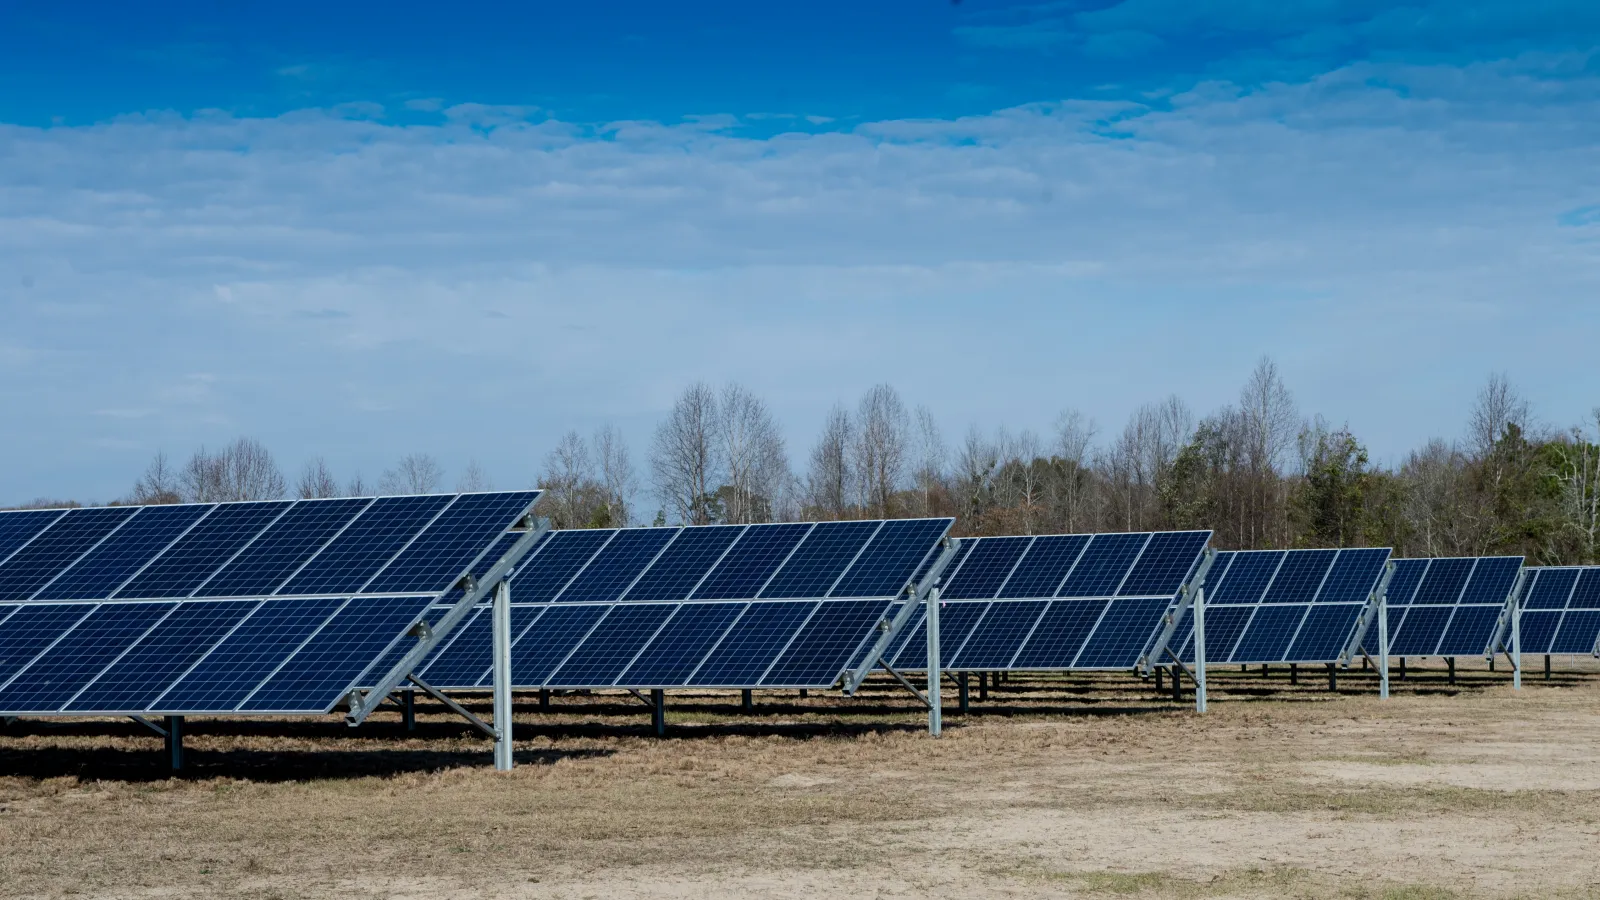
[778, 643]
[1561, 611]
[285, 655]
[731, 562]
[387, 545]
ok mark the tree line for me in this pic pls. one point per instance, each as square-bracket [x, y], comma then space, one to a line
[1257, 472]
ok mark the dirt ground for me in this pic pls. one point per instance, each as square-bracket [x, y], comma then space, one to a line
[1052, 787]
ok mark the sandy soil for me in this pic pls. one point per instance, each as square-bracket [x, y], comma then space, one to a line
[1053, 787]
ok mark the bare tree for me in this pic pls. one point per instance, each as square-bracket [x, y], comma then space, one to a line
[474, 478]
[316, 480]
[977, 465]
[616, 474]
[416, 473]
[357, 486]
[243, 470]
[753, 452]
[1498, 407]
[684, 457]
[880, 448]
[570, 496]
[830, 481]
[158, 484]
[1074, 438]
[1138, 462]
[931, 454]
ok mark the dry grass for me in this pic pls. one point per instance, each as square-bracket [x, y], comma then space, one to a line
[1062, 787]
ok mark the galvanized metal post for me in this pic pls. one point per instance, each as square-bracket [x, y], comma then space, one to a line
[961, 684]
[935, 722]
[1383, 646]
[1547, 667]
[1199, 651]
[175, 742]
[1516, 643]
[747, 702]
[658, 712]
[502, 676]
[983, 686]
[1333, 677]
[408, 709]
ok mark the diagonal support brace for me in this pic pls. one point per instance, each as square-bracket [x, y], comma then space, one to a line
[455, 707]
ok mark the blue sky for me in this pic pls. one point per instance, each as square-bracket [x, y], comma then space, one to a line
[462, 230]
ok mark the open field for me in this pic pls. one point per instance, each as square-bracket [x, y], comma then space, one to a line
[1055, 787]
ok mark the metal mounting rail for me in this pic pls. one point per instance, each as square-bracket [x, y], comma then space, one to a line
[890, 629]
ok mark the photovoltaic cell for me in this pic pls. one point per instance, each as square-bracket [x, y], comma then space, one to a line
[241, 661]
[318, 674]
[1267, 637]
[1324, 634]
[752, 644]
[1577, 632]
[1246, 577]
[79, 656]
[548, 641]
[1444, 582]
[32, 629]
[752, 561]
[823, 647]
[198, 554]
[1407, 578]
[20, 526]
[956, 620]
[688, 635]
[1045, 565]
[352, 558]
[1124, 631]
[684, 563]
[277, 551]
[1300, 576]
[103, 569]
[1104, 565]
[56, 548]
[986, 568]
[616, 565]
[998, 635]
[1456, 605]
[149, 666]
[820, 559]
[1354, 576]
[1060, 634]
[1165, 564]
[1560, 611]
[560, 556]
[612, 645]
[441, 553]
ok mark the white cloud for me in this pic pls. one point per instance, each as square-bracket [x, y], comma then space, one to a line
[361, 289]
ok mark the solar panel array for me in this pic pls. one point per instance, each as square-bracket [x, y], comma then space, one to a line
[1560, 611]
[1284, 606]
[1053, 602]
[1449, 606]
[735, 606]
[257, 607]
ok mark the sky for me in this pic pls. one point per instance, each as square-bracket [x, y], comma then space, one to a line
[363, 230]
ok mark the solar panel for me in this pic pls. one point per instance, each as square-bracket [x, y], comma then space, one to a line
[1054, 602]
[105, 609]
[1286, 606]
[1560, 611]
[1450, 606]
[726, 606]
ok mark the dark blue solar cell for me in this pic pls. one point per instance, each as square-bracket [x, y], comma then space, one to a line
[1538, 631]
[1060, 635]
[1325, 633]
[1045, 565]
[1470, 631]
[1419, 632]
[523, 618]
[501, 548]
[612, 645]
[1587, 594]
[278, 550]
[352, 558]
[677, 650]
[956, 621]
[617, 565]
[444, 551]
[1300, 576]
[58, 547]
[1123, 633]
[822, 649]
[898, 642]
[1444, 582]
[75, 660]
[1104, 565]
[1551, 589]
[985, 568]
[31, 629]
[751, 645]
[1224, 626]
[107, 566]
[1266, 639]
[750, 564]
[1407, 578]
[21, 526]
[999, 635]
[1165, 563]
[1579, 629]
[548, 641]
[820, 559]
[959, 552]
[465, 654]
[319, 674]
[151, 665]
[226, 675]
[684, 563]
[543, 574]
[893, 555]
[200, 553]
[1246, 578]
[1492, 580]
[1354, 576]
